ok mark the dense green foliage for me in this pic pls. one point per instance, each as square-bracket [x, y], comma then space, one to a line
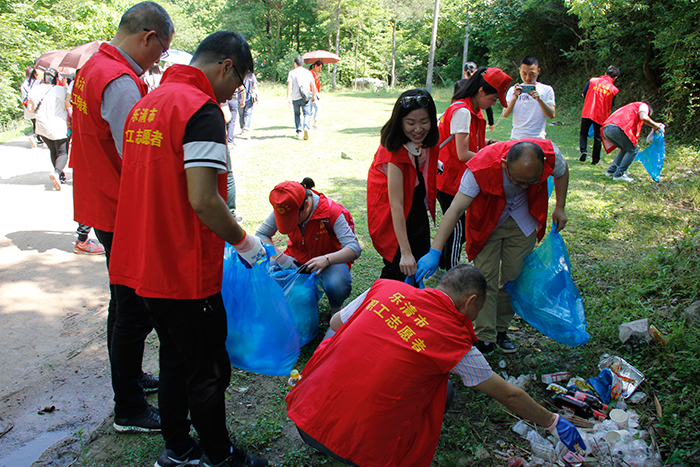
[656, 43]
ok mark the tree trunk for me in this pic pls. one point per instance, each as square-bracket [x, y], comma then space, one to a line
[337, 42]
[465, 56]
[433, 39]
[393, 56]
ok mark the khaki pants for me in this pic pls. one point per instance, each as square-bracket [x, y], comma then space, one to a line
[503, 252]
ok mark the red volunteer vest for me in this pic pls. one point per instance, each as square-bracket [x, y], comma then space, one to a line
[375, 392]
[381, 229]
[453, 169]
[599, 98]
[627, 118]
[316, 240]
[94, 157]
[488, 205]
[161, 248]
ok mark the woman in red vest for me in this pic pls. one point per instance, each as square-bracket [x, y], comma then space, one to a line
[401, 184]
[462, 134]
[622, 130]
[321, 236]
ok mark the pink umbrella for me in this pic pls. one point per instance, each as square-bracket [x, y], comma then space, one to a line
[50, 59]
[76, 58]
[323, 55]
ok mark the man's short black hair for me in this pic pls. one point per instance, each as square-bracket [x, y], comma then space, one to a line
[50, 76]
[222, 45]
[612, 71]
[530, 60]
[462, 281]
[524, 148]
[299, 60]
[149, 16]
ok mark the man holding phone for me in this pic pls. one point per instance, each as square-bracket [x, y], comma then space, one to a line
[530, 102]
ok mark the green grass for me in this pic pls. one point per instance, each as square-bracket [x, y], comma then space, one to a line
[634, 250]
[14, 129]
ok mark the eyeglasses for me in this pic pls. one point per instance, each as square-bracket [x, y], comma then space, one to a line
[165, 49]
[234, 69]
[519, 183]
[408, 101]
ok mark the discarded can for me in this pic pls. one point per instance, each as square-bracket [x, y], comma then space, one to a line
[556, 377]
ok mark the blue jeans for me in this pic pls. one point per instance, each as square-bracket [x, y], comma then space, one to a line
[315, 110]
[245, 115]
[337, 283]
[231, 125]
[299, 106]
[628, 151]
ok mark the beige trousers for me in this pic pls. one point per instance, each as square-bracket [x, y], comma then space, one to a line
[503, 252]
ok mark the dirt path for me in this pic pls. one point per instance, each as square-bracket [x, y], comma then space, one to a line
[53, 312]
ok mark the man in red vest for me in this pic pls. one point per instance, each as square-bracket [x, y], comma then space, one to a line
[105, 90]
[374, 394]
[622, 130]
[505, 189]
[599, 97]
[172, 222]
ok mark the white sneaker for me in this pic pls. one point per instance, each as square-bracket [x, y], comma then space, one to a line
[300, 135]
[608, 174]
[623, 178]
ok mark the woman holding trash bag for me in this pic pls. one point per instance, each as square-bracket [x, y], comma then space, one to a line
[622, 130]
[462, 134]
[401, 184]
[321, 236]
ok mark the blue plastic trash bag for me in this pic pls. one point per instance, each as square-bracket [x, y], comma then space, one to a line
[652, 158]
[550, 186]
[302, 294]
[545, 296]
[262, 336]
[591, 133]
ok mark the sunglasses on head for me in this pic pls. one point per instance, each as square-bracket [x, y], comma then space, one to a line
[408, 101]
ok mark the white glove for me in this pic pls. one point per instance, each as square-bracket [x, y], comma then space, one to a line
[286, 261]
[250, 250]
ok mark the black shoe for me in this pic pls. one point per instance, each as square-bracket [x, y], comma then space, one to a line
[168, 458]
[595, 162]
[62, 178]
[149, 383]
[235, 461]
[484, 347]
[147, 422]
[505, 343]
[583, 157]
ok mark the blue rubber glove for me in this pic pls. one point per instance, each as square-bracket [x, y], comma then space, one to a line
[428, 264]
[567, 434]
[411, 280]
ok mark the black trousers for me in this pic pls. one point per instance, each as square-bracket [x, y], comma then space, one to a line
[455, 242]
[127, 328]
[59, 153]
[597, 139]
[194, 372]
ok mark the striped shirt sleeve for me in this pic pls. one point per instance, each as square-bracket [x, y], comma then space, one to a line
[473, 368]
[205, 139]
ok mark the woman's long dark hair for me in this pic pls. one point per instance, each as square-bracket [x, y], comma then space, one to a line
[472, 86]
[393, 136]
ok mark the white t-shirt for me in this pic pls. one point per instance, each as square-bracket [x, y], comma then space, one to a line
[528, 119]
[299, 76]
[52, 114]
[461, 121]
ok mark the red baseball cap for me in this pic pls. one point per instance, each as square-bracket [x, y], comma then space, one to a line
[500, 81]
[287, 199]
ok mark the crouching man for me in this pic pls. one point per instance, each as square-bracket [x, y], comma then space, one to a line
[376, 392]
